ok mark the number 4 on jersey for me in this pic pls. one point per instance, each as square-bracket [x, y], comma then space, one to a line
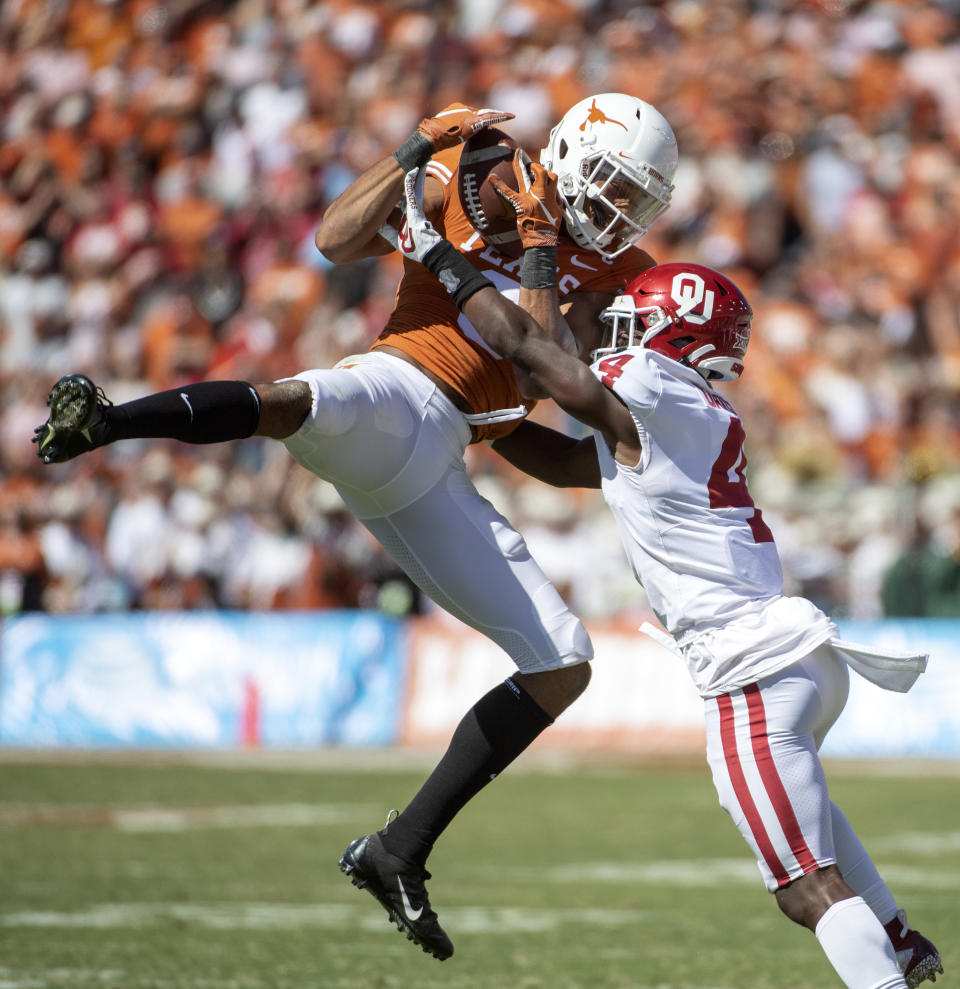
[612, 368]
[728, 486]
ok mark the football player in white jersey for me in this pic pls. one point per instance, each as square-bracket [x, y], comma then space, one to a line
[667, 451]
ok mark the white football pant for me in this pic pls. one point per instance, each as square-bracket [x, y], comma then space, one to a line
[762, 744]
[392, 444]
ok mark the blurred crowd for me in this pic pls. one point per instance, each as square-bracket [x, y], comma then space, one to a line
[163, 167]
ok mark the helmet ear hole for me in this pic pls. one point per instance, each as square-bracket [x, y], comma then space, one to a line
[681, 341]
[564, 147]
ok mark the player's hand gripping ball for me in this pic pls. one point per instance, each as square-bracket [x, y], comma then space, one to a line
[486, 155]
[533, 201]
[457, 123]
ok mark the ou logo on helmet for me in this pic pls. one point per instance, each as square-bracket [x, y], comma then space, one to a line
[690, 292]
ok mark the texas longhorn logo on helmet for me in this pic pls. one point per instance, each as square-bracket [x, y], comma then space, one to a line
[596, 116]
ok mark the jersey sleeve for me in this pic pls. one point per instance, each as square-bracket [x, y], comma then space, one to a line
[443, 165]
[634, 379]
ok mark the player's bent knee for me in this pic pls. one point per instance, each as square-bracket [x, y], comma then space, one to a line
[572, 681]
[555, 690]
[283, 407]
[578, 679]
[808, 898]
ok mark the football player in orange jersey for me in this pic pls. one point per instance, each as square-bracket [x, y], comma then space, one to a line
[389, 428]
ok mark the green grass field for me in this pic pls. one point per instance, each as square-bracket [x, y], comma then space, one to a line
[161, 875]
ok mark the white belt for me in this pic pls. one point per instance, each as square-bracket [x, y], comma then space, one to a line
[658, 635]
[498, 415]
[887, 668]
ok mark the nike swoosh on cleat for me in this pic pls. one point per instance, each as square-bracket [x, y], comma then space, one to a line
[407, 905]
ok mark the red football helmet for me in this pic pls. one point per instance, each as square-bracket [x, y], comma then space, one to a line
[686, 311]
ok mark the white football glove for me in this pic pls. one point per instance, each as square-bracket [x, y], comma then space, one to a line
[417, 236]
[418, 240]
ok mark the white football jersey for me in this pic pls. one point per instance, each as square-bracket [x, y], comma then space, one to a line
[694, 538]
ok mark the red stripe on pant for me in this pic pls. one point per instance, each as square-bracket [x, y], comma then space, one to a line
[772, 782]
[728, 740]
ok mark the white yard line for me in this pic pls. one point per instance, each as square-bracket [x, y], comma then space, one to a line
[251, 816]
[362, 915]
[672, 872]
[703, 873]
[916, 843]
[689, 873]
[11, 979]
[158, 819]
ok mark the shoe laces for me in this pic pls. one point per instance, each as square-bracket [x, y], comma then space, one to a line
[101, 397]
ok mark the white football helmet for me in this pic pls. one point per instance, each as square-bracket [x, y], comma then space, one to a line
[614, 157]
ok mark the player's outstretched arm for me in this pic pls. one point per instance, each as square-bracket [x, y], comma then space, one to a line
[550, 456]
[538, 213]
[502, 323]
[349, 231]
[512, 332]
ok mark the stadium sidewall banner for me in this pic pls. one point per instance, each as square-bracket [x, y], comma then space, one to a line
[293, 680]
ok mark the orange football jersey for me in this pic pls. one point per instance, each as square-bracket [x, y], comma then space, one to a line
[427, 325]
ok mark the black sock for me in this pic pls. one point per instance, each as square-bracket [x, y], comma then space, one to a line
[206, 412]
[490, 736]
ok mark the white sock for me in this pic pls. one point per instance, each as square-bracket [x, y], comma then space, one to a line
[857, 946]
[858, 870]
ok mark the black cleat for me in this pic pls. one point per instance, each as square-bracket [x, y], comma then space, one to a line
[399, 887]
[917, 957]
[77, 423]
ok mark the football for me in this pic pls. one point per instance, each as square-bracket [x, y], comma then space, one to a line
[489, 152]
